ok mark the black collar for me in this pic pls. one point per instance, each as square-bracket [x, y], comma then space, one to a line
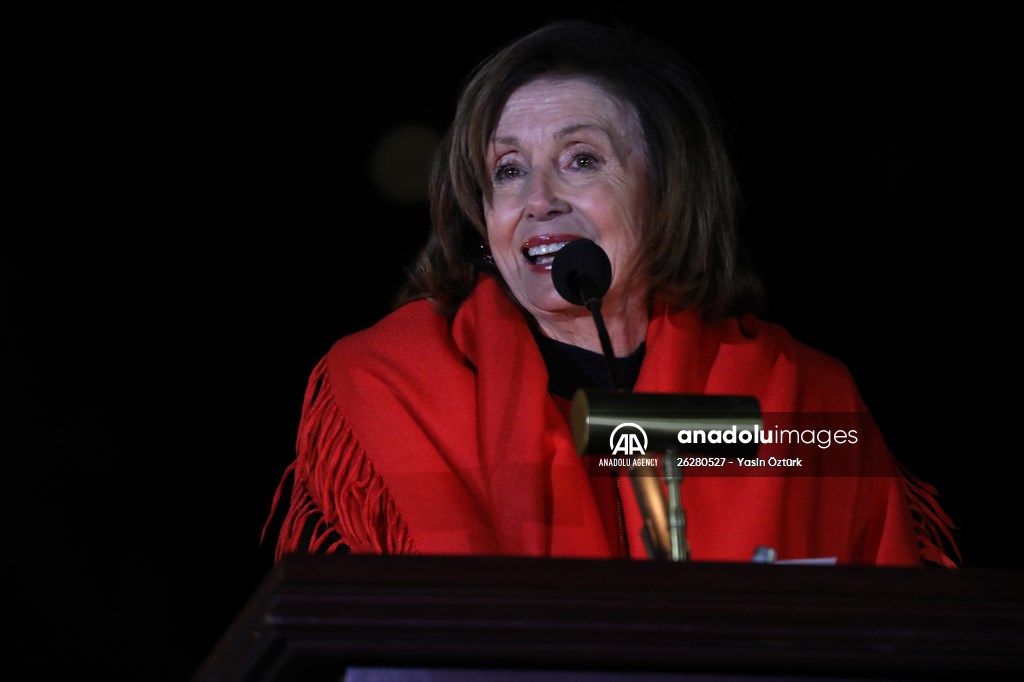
[571, 368]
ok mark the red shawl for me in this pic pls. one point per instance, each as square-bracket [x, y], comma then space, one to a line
[423, 435]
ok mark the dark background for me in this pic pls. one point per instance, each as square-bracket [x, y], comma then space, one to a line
[194, 218]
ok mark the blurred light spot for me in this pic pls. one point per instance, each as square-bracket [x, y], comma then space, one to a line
[400, 164]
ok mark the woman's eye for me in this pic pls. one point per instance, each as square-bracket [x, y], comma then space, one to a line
[583, 161]
[506, 172]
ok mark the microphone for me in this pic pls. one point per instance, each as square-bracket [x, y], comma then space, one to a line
[582, 274]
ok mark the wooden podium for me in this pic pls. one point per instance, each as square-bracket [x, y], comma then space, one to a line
[356, 618]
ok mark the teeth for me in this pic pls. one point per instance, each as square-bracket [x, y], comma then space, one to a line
[544, 249]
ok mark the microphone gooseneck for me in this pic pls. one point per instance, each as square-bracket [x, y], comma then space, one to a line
[582, 274]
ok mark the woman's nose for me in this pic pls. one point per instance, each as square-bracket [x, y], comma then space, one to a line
[546, 198]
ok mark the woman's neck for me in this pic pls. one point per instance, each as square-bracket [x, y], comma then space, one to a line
[626, 325]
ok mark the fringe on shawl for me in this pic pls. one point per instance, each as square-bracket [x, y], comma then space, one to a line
[334, 486]
[932, 526]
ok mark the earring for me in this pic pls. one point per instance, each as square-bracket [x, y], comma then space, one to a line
[485, 254]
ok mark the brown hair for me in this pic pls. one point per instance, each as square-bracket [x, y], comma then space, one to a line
[693, 254]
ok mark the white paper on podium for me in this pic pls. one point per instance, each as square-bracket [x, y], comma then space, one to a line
[814, 561]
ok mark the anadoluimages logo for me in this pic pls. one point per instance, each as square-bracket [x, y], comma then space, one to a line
[628, 439]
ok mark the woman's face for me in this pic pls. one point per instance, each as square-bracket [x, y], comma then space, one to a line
[566, 162]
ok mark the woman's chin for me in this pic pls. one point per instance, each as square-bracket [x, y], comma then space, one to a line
[553, 307]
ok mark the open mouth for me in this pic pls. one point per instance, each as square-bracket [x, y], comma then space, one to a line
[541, 250]
[543, 254]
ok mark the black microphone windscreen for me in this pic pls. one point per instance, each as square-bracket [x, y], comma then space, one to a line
[581, 269]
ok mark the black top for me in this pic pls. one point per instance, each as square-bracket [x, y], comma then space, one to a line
[571, 368]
